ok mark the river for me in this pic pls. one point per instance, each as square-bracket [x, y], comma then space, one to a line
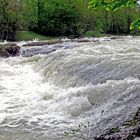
[49, 90]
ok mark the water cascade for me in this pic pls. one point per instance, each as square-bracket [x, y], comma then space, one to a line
[49, 90]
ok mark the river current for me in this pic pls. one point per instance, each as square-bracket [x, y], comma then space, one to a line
[49, 91]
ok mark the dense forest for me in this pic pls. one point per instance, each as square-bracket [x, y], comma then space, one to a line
[63, 18]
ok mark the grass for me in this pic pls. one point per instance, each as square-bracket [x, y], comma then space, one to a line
[27, 35]
[96, 33]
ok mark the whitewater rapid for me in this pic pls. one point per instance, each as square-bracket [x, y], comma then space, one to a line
[53, 89]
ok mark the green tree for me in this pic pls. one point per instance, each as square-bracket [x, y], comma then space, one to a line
[29, 14]
[115, 5]
[9, 19]
[17, 15]
[112, 4]
[57, 17]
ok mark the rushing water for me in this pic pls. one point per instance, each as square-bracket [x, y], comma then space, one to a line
[52, 89]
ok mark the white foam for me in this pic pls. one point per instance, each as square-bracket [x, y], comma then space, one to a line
[62, 92]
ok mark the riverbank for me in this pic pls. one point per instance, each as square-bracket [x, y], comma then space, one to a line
[29, 36]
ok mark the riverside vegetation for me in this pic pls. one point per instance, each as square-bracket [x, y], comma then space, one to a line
[74, 19]
[63, 18]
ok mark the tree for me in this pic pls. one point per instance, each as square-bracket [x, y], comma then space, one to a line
[29, 14]
[17, 15]
[57, 17]
[9, 19]
[114, 5]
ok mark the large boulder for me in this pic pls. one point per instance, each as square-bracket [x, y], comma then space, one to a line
[9, 50]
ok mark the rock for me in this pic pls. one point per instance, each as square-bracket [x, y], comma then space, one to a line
[43, 43]
[138, 132]
[9, 50]
[128, 131]
[34, 51]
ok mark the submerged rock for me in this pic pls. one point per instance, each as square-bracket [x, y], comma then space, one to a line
[128, 131]
[42, 43]
[9, 50]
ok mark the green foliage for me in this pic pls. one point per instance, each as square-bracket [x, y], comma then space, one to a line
[135, 24]
[67, 17]
[59, 17]
[9, 19]
[29, 14]
[112, 4]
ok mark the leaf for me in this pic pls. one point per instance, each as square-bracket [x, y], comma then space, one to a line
[112, 4]
[135, 24]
